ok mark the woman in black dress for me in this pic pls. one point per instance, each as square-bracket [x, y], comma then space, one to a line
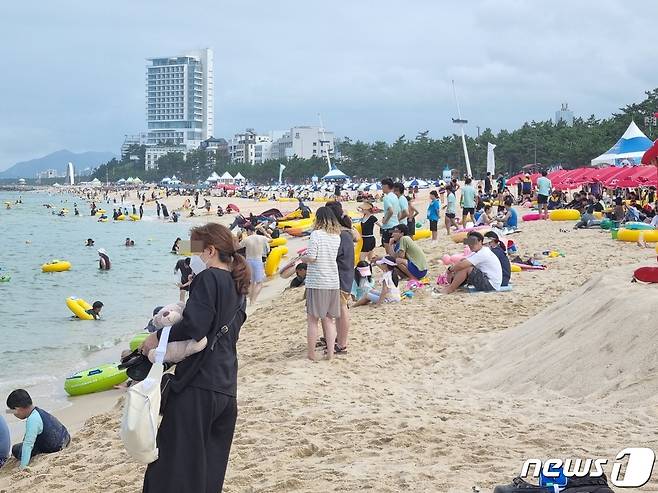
[199, 416]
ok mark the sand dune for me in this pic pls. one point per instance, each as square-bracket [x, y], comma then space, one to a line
[425, 400]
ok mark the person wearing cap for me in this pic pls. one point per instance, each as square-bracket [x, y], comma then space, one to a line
[390, 292]
[95, 310]
[498, 248]
[90, 242]
[410, 258]
[481, 269]
[368, 222]
[103, 260]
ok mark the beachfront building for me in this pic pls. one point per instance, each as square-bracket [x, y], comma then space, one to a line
[250, 147]
[564, 115]
[304, 142]
[180, 99]
[153, 153]
[130, 141]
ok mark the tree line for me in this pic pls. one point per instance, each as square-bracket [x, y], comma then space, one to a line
[546, 142]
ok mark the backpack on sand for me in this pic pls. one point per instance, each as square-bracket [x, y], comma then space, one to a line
[139, 425]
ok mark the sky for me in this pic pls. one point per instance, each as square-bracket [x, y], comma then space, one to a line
[73, 71]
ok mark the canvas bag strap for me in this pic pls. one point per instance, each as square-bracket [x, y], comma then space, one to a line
[161, 350]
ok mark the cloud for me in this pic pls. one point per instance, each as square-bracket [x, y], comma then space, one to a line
[374, 69]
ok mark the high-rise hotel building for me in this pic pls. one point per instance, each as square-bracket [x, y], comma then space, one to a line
[180, 99]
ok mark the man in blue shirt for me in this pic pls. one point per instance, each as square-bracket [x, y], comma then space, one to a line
[391, 211]
[44, 434]
[543, 191]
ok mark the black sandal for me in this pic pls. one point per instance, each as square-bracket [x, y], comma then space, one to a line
[321, 343]
[340, 350]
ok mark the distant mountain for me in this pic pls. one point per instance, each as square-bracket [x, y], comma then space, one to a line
[58, 161]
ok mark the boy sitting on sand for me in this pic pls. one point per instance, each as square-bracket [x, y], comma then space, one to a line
[44, 434]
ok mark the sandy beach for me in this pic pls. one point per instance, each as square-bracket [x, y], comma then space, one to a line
[435, 394]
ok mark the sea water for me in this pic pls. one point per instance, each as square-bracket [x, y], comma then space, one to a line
[40, 341]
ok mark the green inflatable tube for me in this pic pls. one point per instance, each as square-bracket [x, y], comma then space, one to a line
[137, 341]
[96, 379]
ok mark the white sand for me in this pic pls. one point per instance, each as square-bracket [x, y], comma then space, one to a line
[435, 395]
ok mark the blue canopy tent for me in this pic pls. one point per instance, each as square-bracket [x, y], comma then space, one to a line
[628, 150]
[335, 175]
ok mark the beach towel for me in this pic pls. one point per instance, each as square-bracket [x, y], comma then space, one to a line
[139, 425]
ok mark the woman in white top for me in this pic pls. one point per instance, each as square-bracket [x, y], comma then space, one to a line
[390, 292]
[322, 283]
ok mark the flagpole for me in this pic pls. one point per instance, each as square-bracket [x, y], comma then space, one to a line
[461, 122]
[324, 140]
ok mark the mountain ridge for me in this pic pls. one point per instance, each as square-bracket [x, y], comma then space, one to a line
[58, 161]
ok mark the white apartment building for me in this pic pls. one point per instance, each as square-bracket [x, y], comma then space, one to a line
[153, 153]
[132, 140]
[303, 142]
[180, 99]
[250, 147]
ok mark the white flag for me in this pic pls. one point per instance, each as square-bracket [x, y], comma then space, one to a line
[491, 160]
[281, 168]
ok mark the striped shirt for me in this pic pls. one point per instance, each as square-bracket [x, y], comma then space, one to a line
[323, 273]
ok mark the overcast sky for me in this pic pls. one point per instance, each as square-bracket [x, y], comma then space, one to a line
[73, 70]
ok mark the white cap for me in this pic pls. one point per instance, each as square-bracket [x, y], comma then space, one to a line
[102, 251]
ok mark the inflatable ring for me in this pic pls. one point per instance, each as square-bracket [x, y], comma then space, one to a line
[532, 216]
[56, 266]
[299, 231]
[598, 215]
[297, 223]
[516, 268]
[634, 235]
[137, 341]
[460, 236]
[98, 379]
[274, 259]
[79, 308]
[134, 217]
[296, 214]
[5, 278]
[564, 215]
[101, 211]
[638, 226]
[275, 242]
[422, 234]
[103, 220]
[120, 217]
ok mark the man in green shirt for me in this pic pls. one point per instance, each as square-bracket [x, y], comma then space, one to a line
[468, 201]
[410, 258]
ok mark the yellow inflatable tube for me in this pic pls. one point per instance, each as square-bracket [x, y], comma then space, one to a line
[649, 235]
[275, 242]
[422, 234]
[120, 217]
[56, 266]
[564, 215]
[358, 246]
[78, 307]
[297, 223]
[134, 217]
[274, 259]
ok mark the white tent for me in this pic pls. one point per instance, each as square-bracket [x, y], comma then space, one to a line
[335, 174]
[121, 180]
[226, 177]
[627, 151]
[213, 177]
[166, 179]
[137, 180]
[239, 177]
[130, 180]
[96, 183]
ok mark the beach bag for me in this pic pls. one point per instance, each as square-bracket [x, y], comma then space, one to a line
[139, 425]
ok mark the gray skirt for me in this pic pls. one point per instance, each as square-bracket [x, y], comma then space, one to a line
[323, 303]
